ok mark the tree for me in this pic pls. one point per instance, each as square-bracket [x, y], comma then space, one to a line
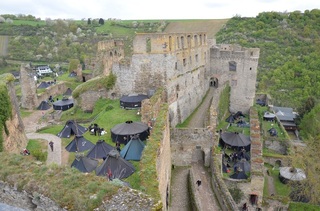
[101, 21]
[89, 21]
[73, 65]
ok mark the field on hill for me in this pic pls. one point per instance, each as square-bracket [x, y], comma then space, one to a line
[184, 26]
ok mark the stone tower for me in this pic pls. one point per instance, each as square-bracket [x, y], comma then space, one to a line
[29, 98]
[238, 66]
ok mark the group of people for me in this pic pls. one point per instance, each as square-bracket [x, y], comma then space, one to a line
[95, 129]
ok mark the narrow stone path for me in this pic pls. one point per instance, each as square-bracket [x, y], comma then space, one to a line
[35, 121]
[204, 193]
[199, 118]
[179, 193]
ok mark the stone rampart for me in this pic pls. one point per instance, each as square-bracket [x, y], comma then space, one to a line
[150, 111]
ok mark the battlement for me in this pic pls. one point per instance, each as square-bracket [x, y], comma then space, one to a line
[159, 43]
[234, 51]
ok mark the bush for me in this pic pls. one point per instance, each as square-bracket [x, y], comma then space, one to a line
[41, 156]
[109, 107]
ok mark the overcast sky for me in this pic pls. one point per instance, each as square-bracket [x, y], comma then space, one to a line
[151, 9]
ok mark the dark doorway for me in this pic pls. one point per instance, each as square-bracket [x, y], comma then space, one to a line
[83, 79]
[253, 199]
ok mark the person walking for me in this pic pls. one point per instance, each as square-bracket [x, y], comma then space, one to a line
[198, 183]
[51, 145]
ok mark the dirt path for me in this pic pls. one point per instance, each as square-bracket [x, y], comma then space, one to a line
[35, 121]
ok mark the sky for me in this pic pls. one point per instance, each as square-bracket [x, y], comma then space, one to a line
[150, 9]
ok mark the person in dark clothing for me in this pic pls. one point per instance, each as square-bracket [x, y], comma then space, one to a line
[51, 145]
[198, 182]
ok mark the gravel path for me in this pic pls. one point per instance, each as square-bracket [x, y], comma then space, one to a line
[35, 121]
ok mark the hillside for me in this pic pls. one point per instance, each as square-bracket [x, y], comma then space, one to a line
[209, 26]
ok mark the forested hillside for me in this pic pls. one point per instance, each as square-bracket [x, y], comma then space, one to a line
[289, 70]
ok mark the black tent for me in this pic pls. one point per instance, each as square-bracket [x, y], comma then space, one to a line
[71, 128]
[243, 165]
[133, 149]
[122, 132]
[68, 92]
[235, 140]
[44, 105]
[238, 114]
[239, 175]
[79, 144]
[63, 104]
[132, 101]
[230, 119]
[115, 166]
[43, 85]
[100, 150]
[84, 164]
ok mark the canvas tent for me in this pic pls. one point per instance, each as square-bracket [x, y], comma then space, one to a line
[79, 144]
[230, 119]
[43, 85]
[132, 101]
[133, 149]
[100, 150]
[68, 92]
[244, 165]
[116, 166]
[291, 174]
[239, 175]
[63, 104]
[122, 132]
[235, 139]
[44, 105]
[84, 164]
[71, 128]
[269, 116]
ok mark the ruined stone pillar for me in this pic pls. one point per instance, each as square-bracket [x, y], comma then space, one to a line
[29, 98]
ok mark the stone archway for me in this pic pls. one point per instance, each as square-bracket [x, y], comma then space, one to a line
[214, 82]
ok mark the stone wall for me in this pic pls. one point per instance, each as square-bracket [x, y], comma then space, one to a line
[53, 90]
[16, 140]
[257, 162]
[150, 110]
[88, 99]
[185, 141]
